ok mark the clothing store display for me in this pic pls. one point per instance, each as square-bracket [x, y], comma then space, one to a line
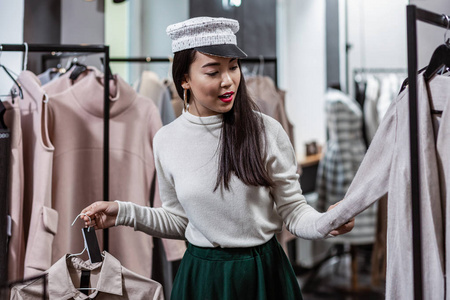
[270, 101]
[64, 82]
[176, 101]
[386, 169]
[15, 191]
[371, 114]
[49, 75]
[238, 217]
[152, 87]
[40, 220]
[260, 272]
[344, 153]
[109, 280]
[376, 91]
[76, 131]
[214, 36]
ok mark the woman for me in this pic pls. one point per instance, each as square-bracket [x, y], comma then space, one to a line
[227, 178]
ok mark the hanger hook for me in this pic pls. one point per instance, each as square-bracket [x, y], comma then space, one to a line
[25, 58]
[82, 214]
[446, 41]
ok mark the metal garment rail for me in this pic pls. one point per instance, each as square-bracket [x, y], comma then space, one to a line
[379, 70]
[149, 59]
[415, 14]
[90, 49]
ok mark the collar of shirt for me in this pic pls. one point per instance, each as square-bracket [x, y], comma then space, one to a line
[61, 286]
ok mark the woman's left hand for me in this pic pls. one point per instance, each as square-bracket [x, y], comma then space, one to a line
[347, 227]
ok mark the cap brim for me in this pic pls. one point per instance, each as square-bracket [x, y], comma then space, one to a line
[224, 50]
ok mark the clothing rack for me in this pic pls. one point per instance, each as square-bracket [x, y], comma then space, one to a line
[55, 48]
[379, 70]
[415, 14]
[149, 59]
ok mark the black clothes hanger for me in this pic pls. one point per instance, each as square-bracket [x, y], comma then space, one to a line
[79, 68]
[440, 58]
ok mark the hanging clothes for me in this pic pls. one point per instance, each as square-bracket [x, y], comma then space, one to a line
[109, 278]
[386, 169]
[40, 220]
[76, 131]
[64, 82]
[176, 101]
[345, 150]
[270, 100]
[151, 87]
[371, 113]
[49, 75]
[16, 247]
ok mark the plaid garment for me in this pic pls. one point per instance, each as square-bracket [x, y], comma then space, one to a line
[344, 153]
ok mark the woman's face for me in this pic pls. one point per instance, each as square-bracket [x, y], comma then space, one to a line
[213, 82]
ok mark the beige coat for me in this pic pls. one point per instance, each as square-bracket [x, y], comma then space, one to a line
[386, 168]
[39, 218]
[109, 278]
[16, 247]
[76, 131]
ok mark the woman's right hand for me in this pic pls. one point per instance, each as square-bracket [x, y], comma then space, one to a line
[103, 214]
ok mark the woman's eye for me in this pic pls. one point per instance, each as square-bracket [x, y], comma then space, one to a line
[212, 74]
[234, 68]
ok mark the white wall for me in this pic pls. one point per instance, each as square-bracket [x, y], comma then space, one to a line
[377, 33]
[11, 32]
[301, 52]
[140, 26]
[83, 22]
[117, 22]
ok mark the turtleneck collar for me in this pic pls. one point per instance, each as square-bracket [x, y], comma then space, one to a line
[89, 94]
[210, 120]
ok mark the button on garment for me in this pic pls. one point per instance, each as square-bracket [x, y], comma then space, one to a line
[109, 279]
[386, 168]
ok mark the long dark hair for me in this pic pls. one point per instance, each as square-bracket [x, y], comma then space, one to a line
[243, 140]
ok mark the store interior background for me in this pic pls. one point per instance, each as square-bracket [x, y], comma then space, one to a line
[309, 38]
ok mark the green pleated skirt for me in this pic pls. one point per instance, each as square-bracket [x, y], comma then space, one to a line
[256, 273]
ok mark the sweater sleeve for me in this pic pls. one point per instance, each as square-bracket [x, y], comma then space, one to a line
[371, 182]
[299, 217]
[167, 221]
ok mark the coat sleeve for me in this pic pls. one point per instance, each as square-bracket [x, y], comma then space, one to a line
[371, 182]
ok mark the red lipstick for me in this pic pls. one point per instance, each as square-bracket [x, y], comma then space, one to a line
[227, 97]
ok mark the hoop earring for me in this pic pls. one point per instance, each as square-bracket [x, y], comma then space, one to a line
[185, 99]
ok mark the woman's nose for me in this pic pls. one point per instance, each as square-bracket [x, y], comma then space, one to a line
[226, 80]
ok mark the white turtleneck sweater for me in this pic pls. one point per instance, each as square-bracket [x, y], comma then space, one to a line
[186, 156]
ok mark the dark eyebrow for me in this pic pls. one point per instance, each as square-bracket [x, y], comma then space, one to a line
[216, 63]
[211, 64]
